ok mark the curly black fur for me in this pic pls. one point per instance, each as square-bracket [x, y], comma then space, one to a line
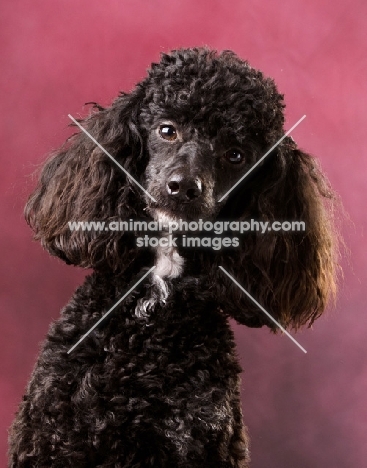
[157, 383]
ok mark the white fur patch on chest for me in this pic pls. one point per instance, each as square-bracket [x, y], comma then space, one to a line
[169, 264]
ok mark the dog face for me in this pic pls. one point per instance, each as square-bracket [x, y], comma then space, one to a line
[188, 170]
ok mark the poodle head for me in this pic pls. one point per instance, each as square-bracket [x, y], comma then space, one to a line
[208, 118]
[187, 133]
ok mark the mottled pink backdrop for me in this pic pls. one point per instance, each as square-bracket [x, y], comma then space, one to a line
[302, 410]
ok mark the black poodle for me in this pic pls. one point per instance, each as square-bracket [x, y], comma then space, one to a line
[157, 383]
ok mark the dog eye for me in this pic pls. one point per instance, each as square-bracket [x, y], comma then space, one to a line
[234, 156]
[168, 132]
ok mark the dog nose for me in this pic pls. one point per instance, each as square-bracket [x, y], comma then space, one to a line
[185, 189]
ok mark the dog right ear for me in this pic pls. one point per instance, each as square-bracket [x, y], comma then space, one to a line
[81, 183]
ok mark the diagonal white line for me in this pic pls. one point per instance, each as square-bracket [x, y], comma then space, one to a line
[261, 159]
[112, 308]
[263, 310]
[111, 157]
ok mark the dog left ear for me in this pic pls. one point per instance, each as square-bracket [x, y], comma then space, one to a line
[80, 183]
[291, 274]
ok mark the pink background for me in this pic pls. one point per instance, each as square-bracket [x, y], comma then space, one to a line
[302, 410]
